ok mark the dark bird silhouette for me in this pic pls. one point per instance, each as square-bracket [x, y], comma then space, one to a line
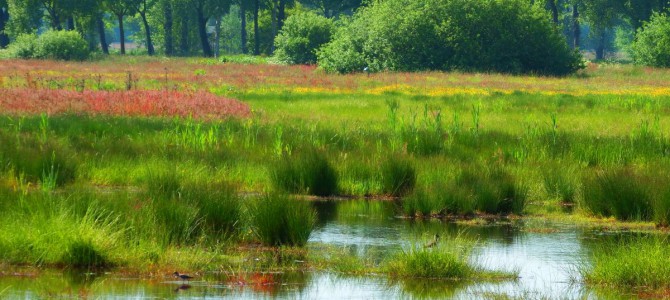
[433, 242]
[182, 276]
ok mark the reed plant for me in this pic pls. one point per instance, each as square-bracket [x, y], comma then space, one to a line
[278, 220]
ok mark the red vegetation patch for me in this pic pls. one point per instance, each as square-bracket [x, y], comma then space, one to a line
[201, 105]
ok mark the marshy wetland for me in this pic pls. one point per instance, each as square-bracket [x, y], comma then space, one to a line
[266, 180]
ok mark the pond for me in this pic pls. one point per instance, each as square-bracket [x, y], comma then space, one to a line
[545, 255]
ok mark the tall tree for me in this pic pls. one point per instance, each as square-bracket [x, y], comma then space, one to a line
[553, 8]
[120, 9]
[243, 19]
[4, 17]
[25, 15]
[601, 15]
[257, 37]
[168, 42]
[639, 11]
[141, 7]
[331, 8]
[576, 30]
[100, 24]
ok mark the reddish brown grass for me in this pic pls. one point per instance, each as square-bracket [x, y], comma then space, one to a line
[201, 105]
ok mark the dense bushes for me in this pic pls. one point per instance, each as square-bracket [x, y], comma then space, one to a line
[652, 44]
[490, 35]
[301, 36]
[61, 45]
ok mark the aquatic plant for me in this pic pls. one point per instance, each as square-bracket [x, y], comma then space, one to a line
[618, 192]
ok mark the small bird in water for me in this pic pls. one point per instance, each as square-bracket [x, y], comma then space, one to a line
[182, 276]
[433, 242]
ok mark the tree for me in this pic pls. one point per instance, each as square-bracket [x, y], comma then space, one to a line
[25, 17]
[4, 17]
[639, 11]
[168, 42]
[602, 15]
[331, 8]
[553, 8]
[141, 7]
[243, 19]
[204, 10]
[120, 9]
[652, 44]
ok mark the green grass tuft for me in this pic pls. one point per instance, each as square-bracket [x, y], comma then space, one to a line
[281, 220]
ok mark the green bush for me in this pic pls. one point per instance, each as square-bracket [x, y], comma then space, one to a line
[490, 35]
[307, 172]
[301, 36]
[652, 42]
[23, 46]
[60, 45]
[279, 220]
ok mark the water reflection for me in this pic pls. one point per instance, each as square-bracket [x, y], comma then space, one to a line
[544, 254]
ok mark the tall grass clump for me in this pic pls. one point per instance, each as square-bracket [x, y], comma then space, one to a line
[398, 176]
[619, 192]
[281, 220]
[559, 184]
[638, 263]
[492, 190]
[218, 206]
[307, 172]
[418, 261]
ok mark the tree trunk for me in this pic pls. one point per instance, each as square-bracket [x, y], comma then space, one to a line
[243, 34]
[202, 31]
[167, 27]
[554, 11]
[183, 41]
[103, 40]
[4, 17]
[147, 30]
[274, 26]
[55, 21]
[70, 23]
[600, 49]
[217, 33]
[576, 31]
[281, 14]
[257, 38]
[122, 37]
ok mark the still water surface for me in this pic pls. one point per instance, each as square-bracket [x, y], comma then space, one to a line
[545, 255]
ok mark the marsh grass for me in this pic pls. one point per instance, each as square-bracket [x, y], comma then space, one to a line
[560, 183]
[398, 176]
[278, 220]
[620, 192]
[307, 172]
[633, 263]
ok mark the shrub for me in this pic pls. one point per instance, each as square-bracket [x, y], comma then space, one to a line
[23, 46]
[301, 36]
[652, 42]
[398, 176]
[60, 45]
[490, 35]
[279, 220]
[307, 172]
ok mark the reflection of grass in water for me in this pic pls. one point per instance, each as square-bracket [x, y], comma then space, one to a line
[637, 263]
[430, 288]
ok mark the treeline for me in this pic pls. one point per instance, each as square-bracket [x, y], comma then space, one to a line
[173, 27]
[211, 27]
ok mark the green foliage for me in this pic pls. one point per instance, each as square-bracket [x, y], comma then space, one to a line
[398, 176]
[59, 45]
[301, 36]
[23, 46]
[491, 35]
[652, 43]
[280, 220]
[307, 172]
